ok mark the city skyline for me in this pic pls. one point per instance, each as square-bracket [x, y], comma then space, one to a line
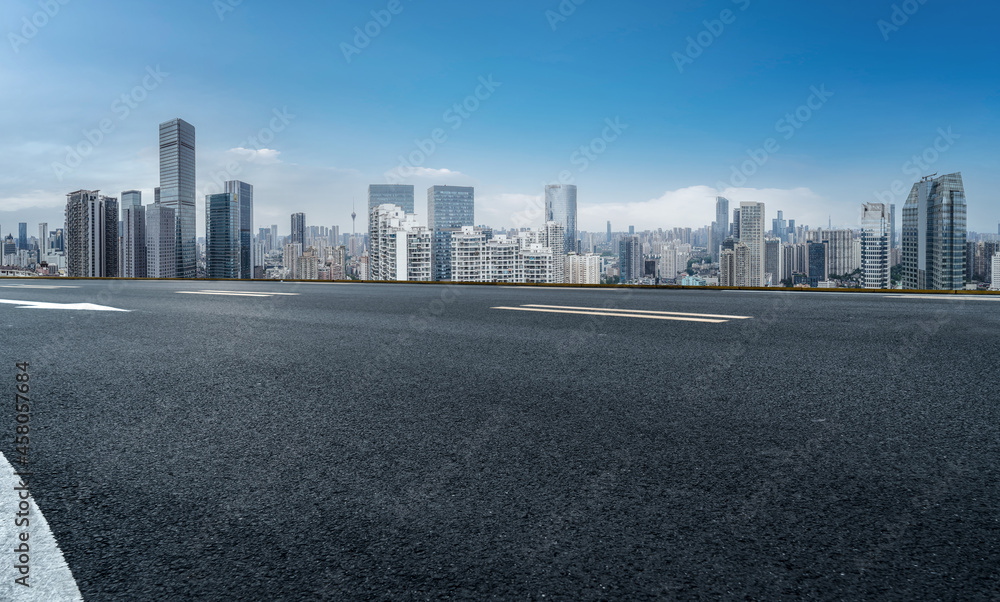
[654, 163]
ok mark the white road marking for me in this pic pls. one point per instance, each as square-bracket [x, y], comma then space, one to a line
[641, 311]
[70, 306]
[259, 295]
[49, 576]
[616, 315]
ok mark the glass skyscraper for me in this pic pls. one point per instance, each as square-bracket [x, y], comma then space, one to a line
[22, 236]
[934, 233]
[390, 194]
[222, 236]
[298, 229]
[243, 196]
[177, 189]
[448, 208]
[560, 207]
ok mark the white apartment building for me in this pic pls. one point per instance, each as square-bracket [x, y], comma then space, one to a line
[583, 269]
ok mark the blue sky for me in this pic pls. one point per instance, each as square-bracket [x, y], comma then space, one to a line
[228, 67]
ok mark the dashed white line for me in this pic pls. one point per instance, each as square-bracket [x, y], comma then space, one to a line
[641, 311]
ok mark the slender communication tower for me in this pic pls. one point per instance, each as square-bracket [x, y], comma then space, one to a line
[354, 219]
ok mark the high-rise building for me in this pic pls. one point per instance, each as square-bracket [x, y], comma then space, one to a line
[298, 229]
[818, 270]
[555, 238]
[934, 233]
[995, 281]
[468, 255]
[876, 238]
[840, 251]
[772, 261]
[893, 237]
[744, 265]
[780, 227]
[735, 226]
[449, 208]
[400, 195]
[43, 238]
[91, 235]
[222, 236]
[583, 269]
[22, 236]
[751, 227]
[629, 259]
[131, 198]
[242, 194]
[720, 228]
[727, 267]
[560, 207]
[609, 230]
[177, 189]
[400, 246]
[161, 241]
[133, 255]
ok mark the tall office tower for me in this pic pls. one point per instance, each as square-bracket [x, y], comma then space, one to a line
[274, 236]
[177, 189]
[995, 269]
[9, 247]
[817, 262]
[631, 230]
[840, 252]
[400, 195]
[735, 226]
[772, 261]
[727, 267]
[788, 263]
[720, 227]
[629, 260]
[468, 250]
[22, 236]
[43, 238]
[133, 240]
[243, 197]
[934, 232]
[130, 198]
[751, 226]
[223, 251]
[555, 238]
[111, 237]
[779, 227]
[560, 207]
[90, 222]
[448, 208]
[298, 229]
[876, 224]
[609, 230]
[893, 237]
[161, 241]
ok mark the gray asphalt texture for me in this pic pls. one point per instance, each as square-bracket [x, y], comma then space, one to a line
[409, 442]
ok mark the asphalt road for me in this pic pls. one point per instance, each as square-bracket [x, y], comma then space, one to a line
[410, 442]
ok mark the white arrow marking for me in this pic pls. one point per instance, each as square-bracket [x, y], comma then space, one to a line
[49, 576]
[71, 306]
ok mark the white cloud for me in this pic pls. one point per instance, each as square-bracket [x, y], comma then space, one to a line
[35, 199]
[264, 156]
